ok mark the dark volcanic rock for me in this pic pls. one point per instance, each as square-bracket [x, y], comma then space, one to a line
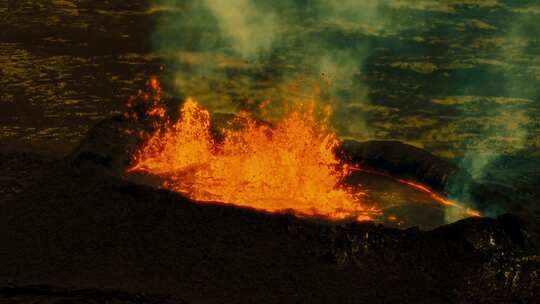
[47, 294]
[18, 171]
[80, 227]
[110, 144]
[406, 161]
[81, 230]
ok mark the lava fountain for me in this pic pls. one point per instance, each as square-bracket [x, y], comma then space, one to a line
[289, 166]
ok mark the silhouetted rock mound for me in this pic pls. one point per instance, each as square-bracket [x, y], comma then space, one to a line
[109, 144]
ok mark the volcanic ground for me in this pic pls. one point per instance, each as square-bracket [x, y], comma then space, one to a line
[457, 78]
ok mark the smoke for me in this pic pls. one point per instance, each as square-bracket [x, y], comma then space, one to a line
[502, 123]
[504, 132]
[367, 14]
[378, 62]
[234, 54]
[250, 29]
[506, 121]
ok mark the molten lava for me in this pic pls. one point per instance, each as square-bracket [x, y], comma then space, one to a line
[287, 167]
[436, 197]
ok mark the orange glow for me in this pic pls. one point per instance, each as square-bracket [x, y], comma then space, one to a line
[436, 197]
[152, 102]
[288, 167]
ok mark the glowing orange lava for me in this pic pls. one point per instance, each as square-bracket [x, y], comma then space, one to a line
[290, 166]
[286, 167]
[436, 197]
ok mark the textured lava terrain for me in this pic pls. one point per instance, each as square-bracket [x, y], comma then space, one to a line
[79, 232]
[456, 77]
